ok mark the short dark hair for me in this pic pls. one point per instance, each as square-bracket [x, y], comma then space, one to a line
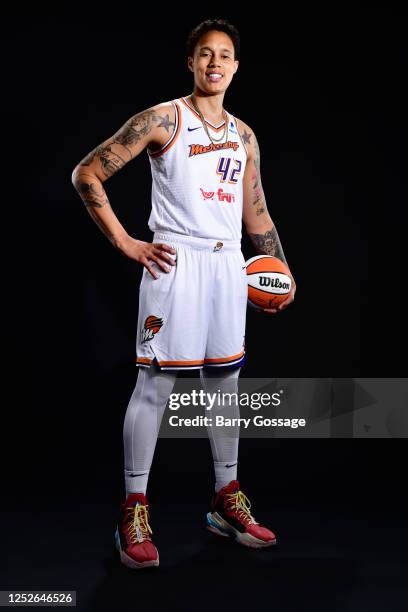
[213, 24]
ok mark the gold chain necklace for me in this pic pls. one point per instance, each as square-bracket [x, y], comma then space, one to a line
[213, 140]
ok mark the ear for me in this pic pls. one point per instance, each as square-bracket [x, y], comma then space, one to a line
[236, 62]
[190, 63]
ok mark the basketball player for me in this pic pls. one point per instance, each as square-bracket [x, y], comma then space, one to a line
[205, 167]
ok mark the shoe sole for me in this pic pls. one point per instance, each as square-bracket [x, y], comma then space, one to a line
[128, 561]
[217, 525]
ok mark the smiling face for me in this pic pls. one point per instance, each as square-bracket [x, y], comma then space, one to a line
[213, 56]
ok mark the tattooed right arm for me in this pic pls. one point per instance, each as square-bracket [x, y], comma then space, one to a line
[150, 126]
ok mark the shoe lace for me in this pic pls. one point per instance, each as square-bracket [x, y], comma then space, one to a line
[240, 503]
[138, 523]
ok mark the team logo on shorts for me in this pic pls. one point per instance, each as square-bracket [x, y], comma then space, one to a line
[150, 328]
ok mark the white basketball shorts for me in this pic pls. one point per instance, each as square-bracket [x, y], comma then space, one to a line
[194, 316]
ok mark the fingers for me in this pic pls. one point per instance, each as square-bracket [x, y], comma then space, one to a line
[147, 262]
[165, 247]
[286, 303]
[162, 265]
[159, 251]
[268, 310]
[161, 256]
[150, 269]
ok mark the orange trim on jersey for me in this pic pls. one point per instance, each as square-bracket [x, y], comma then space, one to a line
[224, 359]
[173, 139]
[216, 129]
[243, 143]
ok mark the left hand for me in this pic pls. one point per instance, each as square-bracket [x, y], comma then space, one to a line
[284, 304]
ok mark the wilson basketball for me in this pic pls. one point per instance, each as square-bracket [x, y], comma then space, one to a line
[269, 283]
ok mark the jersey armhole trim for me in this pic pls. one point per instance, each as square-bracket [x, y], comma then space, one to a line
[172, 138]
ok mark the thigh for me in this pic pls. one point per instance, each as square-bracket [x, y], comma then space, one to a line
[226, 333]
[173, 313]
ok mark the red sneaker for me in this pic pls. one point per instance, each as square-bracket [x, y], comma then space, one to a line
[133, 531]
[230, 517]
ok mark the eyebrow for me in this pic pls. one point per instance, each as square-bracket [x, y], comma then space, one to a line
[224, 49]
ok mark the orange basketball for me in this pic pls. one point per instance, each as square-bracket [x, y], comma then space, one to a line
[269, 283]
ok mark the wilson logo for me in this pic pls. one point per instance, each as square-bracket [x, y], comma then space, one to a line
[266, 281]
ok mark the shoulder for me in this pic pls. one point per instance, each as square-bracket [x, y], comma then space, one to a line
[163, 110]
[248, 137]
[163, 117]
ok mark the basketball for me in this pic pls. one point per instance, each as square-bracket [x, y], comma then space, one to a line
[269, 283]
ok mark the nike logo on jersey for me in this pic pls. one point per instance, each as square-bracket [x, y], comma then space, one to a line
[192, 129]
[133, 475]
[230, 464]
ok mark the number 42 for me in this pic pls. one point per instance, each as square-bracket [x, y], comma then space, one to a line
[226, 173]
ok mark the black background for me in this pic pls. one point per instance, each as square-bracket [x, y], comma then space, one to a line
[323, 89]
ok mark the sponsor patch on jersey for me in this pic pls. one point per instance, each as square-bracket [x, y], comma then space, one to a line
[220, 194]
[199, 149]
[207, 195]
[150, 328]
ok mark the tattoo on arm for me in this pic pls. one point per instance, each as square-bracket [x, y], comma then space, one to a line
[246, 137]
[90, 190]
[117, 152]
[111, 156]
[109, 159]
[268, 243]
[258, 194]
[93, 196]
[92, 193]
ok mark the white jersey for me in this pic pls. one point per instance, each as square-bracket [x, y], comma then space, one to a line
[197, 185]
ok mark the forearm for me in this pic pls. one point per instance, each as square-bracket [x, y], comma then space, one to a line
[266, 240]
[93, 195]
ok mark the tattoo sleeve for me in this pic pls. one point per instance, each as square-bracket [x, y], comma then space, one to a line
[106, 159]
[94, 197]
[118, 150]
[268, 243]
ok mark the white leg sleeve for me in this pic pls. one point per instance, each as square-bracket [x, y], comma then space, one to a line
[142, 424]
[223, 440]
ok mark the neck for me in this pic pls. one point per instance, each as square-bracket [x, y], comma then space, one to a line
[210, 105]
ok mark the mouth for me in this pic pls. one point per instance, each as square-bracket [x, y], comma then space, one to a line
[214, 77]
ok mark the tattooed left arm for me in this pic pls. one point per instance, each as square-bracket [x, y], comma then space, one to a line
[256, 218]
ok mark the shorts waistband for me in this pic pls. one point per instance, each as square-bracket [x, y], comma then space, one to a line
[206, 244]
